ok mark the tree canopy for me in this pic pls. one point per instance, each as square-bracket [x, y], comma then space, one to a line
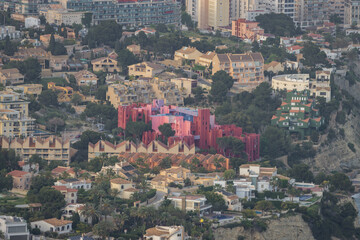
[277, 24]
[313, 55]
[106, 32]
[222, 82]
[30, 68]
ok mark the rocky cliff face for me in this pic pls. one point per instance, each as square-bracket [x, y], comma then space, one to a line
[337, 156]
[286, 228]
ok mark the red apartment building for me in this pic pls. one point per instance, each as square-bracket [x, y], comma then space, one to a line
[191, 126]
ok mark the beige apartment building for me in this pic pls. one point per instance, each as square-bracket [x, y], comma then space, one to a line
[11, 76]
[319, 87]
[105, 147]
[86, 78]
[218, 15]
[62, 16]
[130, 92]
[246, 69]
[50, 149]
[168, 91]
[300, 82]
[144, 91]
[14, 115]
[105, 64]
[187, 53]
[145, 69]
[209, 13]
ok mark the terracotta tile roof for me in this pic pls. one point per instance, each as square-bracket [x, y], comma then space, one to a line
[17, 173]
[284, 103]
[21, 163]
[186, 50]
[156, 232]
[295, 47]
[120, 181]
[131, 190]
[56, 222]
[274, 117]
[306, 120]
[249, 165]
[64, 188]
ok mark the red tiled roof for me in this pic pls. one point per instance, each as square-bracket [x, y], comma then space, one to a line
[17, 173]
[64, 188]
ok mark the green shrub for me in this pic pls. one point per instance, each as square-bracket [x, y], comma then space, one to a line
[351, 146]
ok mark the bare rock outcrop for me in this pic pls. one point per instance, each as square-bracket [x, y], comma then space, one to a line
[286, 228]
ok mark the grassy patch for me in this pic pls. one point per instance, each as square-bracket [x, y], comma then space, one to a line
[11, 201]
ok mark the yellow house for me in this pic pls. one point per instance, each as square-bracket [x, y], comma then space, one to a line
[145, 69]
[126, 188]
[105, 64]
[187, 53]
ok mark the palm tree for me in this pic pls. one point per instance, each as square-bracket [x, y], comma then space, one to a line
[114, 193]
[85, 175]
[106, 208]
[119, 220]
[76, 171]
[144, 185]
[89, 211]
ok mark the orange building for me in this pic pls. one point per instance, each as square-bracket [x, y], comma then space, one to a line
[245, 29]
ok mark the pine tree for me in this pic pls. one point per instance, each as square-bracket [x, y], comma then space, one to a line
[8, 48]
[52, 44]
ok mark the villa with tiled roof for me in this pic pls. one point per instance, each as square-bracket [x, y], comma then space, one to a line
[298, 114]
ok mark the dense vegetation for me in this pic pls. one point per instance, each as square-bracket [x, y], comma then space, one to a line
[277, 24]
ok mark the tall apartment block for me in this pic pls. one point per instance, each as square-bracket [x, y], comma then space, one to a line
[129, 12]
[26, 7]
[14, 115]
[209, 14]
[353, 12]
